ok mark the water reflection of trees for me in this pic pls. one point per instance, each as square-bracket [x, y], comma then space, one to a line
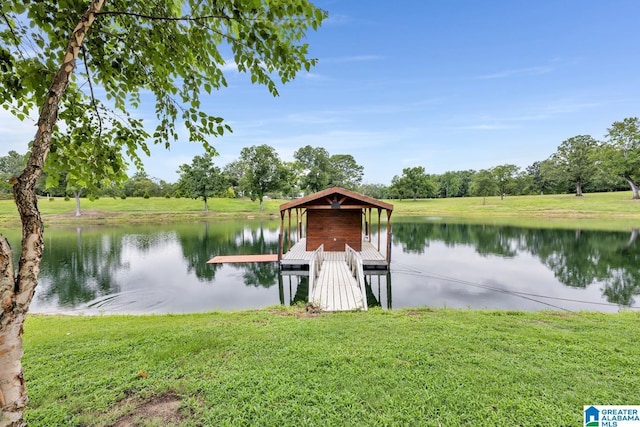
[488, 239]
[200, 244]
[258, 274]
[254, 241]
[80, 266]
[572, 255]
[582, 258]
[144, 240]
[577, 258]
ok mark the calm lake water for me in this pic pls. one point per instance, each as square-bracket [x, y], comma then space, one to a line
[162, 268]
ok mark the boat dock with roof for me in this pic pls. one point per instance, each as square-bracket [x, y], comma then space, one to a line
[331, 243]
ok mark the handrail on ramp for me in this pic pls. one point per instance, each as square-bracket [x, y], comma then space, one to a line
[354, 261]
[314, 269]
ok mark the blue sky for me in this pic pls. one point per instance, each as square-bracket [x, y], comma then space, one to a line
[447, 85]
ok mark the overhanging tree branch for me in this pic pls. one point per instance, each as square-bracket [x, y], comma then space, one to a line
[13, 34]
[93, 97]
[165, 18]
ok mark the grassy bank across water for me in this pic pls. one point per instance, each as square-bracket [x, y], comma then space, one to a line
[603, 207]
[283, 366]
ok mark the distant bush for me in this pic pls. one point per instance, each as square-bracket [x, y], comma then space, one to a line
[229, 193]
[146, 195]
[123, 196]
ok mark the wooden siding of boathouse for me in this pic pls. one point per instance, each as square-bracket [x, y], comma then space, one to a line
[334, 228]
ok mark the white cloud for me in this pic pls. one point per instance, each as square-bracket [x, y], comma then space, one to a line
[314, 118]
[337, 19]
[229, 65]
[550, 109]
[521, 72]
[314, 76]
[564, 107]
[15, 134]
[487, 126]
[353, 58]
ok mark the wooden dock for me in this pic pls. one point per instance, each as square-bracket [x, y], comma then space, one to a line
[298, 256]
[336, 222]
[335, 288]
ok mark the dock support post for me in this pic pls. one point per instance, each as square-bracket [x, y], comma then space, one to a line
[280, 239]
[379, 213]
[289, 247]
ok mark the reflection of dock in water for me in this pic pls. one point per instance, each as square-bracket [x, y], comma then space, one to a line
[294, 287]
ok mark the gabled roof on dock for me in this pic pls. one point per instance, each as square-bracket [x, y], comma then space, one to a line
[336, 198]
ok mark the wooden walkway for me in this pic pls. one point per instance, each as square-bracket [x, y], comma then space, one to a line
[335, 287]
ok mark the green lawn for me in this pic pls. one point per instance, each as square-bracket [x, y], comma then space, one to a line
[599, 206]
[283, 367]
[137, 209]
[618, 204]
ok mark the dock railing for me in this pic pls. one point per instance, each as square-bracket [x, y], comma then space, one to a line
[354, 261]
[314, 269]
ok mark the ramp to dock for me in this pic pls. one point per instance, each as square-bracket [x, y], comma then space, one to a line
[336, 288]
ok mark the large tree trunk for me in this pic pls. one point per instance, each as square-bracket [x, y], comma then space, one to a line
[634, 187]
[12, 394]
[17, 290]
[578, 188]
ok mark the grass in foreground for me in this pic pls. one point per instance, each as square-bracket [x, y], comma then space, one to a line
[281, 366]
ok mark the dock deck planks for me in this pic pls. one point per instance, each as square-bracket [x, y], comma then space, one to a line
[297, 255]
